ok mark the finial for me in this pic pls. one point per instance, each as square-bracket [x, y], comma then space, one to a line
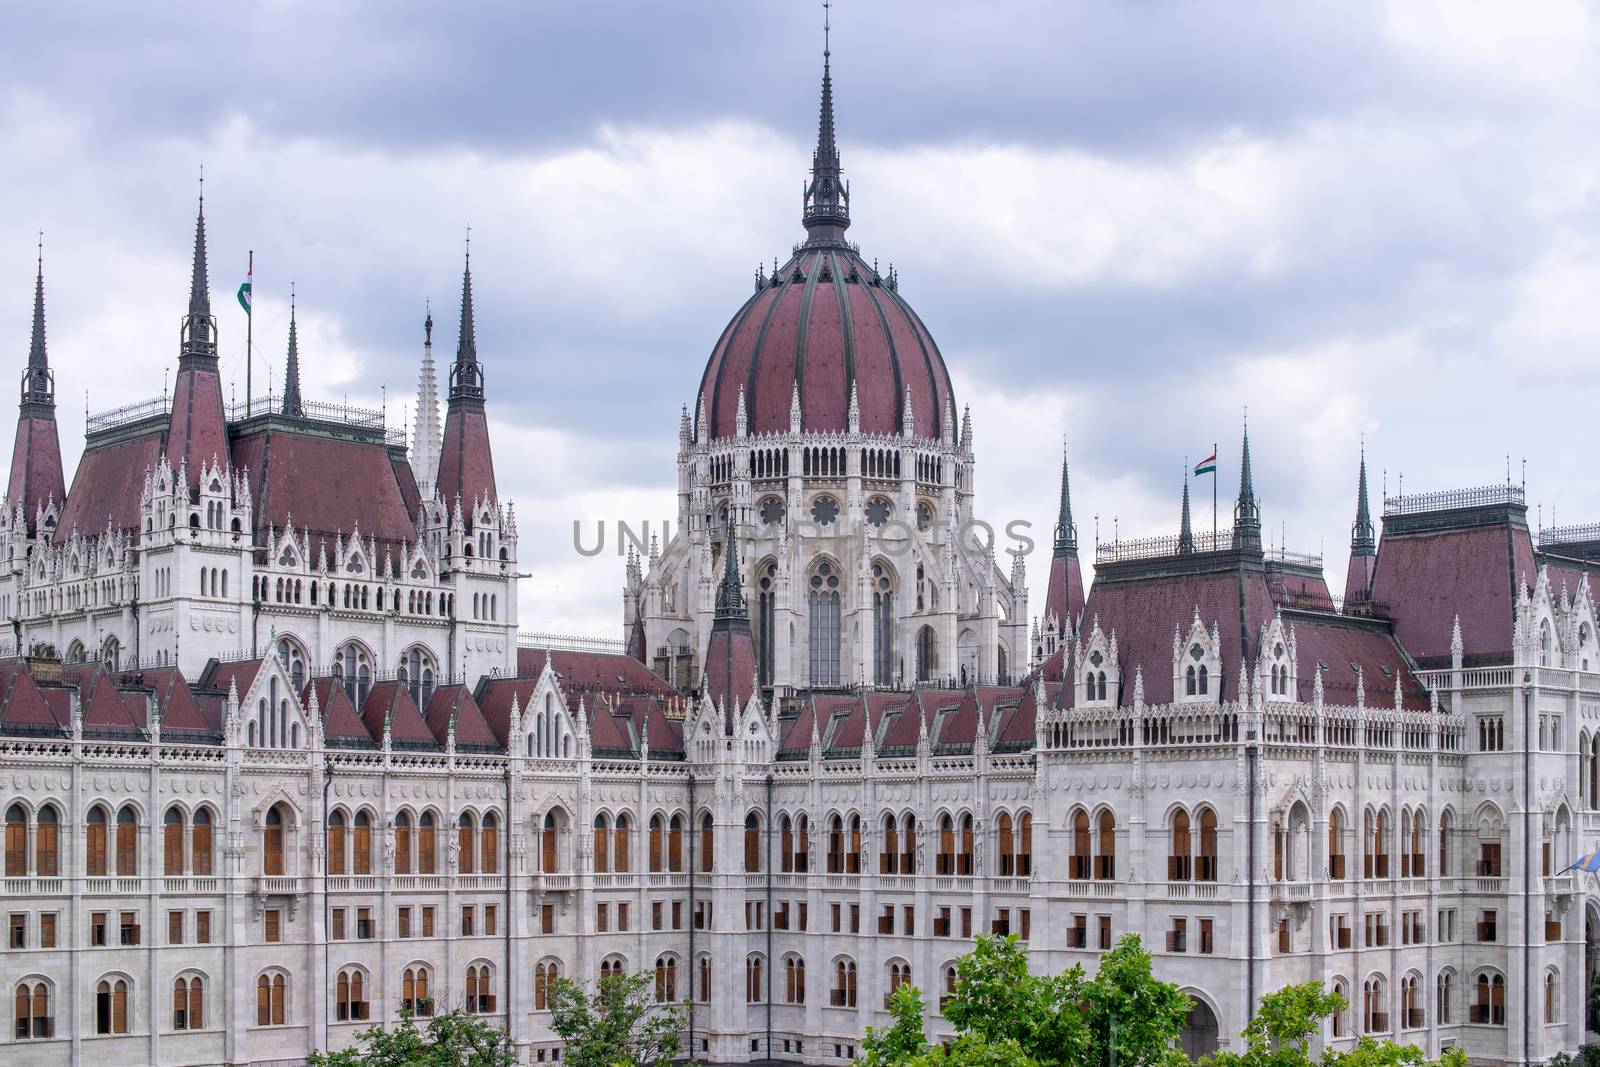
[826, 42]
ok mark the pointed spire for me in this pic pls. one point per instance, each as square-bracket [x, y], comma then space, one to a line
[292, 407]
[1363, 542]
[466, 376]
[827, 199]
[199, 327]
[425, 437]
[1247, 512]
[1185, 529]
[38, 384]
[1066, 531]
[730, 596]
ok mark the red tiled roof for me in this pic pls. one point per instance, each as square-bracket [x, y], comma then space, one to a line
[392, 701]
[327, 485]
[730, 668]
[1143, 612]
[471, 727]
[198, 432]
[1427, 578]
[339, 718]
[1339, 643]
[466, 464]
[825, 332]
[36, 476]
[1064, 595]
[108, 483]
[242, 673]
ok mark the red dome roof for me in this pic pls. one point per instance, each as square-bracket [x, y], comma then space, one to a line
[824, 319]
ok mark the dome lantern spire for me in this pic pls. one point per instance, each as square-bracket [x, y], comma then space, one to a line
[827, 198]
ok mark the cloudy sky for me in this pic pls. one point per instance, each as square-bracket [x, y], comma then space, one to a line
[1123, 223]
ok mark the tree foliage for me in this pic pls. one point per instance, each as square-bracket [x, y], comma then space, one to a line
[618, 1025]
[454, 1039]
[1286, 1021]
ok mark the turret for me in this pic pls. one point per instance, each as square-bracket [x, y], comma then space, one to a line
[1247, 511]
[292, 406]
[197, 432]
[730, 667]
[1185, 528]
[425, 438]
[1363, 544]
[466, 464]
[36, 472]
[1063, 600]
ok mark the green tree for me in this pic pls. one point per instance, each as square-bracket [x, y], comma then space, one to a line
[618, 1025]
[1286, 1021]
[455, 1039]
[1006, 1016]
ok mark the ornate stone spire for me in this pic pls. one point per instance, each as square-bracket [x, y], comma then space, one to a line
[1185, 528]
[730, 596]
[199, 326]
[1066, 531]
[1363, 541]
[1247, 512]
[38, 384]
[827, 199]
[425, 438]
[292, 406]
[466, 376]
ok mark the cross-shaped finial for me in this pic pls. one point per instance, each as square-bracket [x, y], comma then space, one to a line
[826, 4]
[202, 183]
[469, 242]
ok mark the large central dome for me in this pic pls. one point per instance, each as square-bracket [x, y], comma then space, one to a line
[824, 322]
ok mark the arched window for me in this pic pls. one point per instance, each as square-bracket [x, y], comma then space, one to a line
[549, 844]
[666, 979]
[675, 844]
[188, 1003]
[755, 990]
[361, 847]
[352, 668]
[657, 829]
[703, 979]
[270, 999]
[1082, 846]
[1208, 846]
[480, 989]
[127, 841]
[427, 852]
[466, 844]
[402, 843]
[927, 653]
[95, 843]
[602, 844]
[621, 855]
[417, 673]
[272, 861]
[1444, 1007]
[889, 857]
[1418, 859]
[1411, 1014]
[16, 841]
[836, 845]
[294, 662]
[946, 863]
[544, 985]
[336, 843]
[31, 1011]
[951, 977]
[111, 1006]
[882, 625]
[1105, 853]
[823, 602]
[350, 995]
[1179, 867]
[1340, 1020]
[794, 980]
[489, 844]
[610, 968]
[965, 866]
[752, 844]
[171, 843]
[414, 995]
[1336, 867]
[908, 844]
[899, 975]
[46, 843]
[1445, 827]
[844, 984]
[1489, 1005]
[1005, 846]
[1374, 1005]
[708, 842]
[766, 605]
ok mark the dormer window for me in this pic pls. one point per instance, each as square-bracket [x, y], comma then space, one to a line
[1196, 677]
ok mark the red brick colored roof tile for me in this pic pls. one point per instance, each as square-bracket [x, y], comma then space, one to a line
[108, 483]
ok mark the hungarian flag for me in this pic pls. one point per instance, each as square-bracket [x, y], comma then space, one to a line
[1207, 465]
[244, 289]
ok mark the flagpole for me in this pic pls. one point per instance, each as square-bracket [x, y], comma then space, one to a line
[249, 328]
[1213, 495]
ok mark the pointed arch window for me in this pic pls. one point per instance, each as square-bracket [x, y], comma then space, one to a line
[417, 673]
[766, 609]
[336, 843]
[823, 620]
[127, 841]
[188, 1003]
[544, 985]
[95, 843]
[414, 995]
[361, 845]
[621, 854]
[882, 625]
[272, 858]
[31, 1012]
[171, 843]
[111, 1006]
[46, 843]
[602, 844]
[352, 668]
[752, 844]
[16, 841]
[294, 662]
[489, 844]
